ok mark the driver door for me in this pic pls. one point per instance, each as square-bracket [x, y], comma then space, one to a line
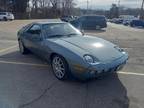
[34, 39]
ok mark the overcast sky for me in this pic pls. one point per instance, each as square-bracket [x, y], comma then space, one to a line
[105, 4]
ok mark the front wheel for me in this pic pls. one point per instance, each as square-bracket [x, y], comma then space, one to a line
[22, 48]
[60, 67]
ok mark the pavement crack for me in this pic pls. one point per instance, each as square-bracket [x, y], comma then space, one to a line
[38, 98]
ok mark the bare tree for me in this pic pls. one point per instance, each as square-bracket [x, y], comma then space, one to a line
[34, 4]
[55, 4]
[5, 5]
[67, 6]
[44, 3]
[114, 11]
[37, 8]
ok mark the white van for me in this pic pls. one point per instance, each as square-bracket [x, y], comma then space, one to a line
[5, 16]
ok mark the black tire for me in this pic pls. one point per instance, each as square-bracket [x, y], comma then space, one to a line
[5, 19]
[132, 25]
[98, 27]
[22, 48]
[66, 72]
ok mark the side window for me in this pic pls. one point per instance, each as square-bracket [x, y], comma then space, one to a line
[47, 30]
[2, 13]
[35, 29]
[82, 18]
[91, 18]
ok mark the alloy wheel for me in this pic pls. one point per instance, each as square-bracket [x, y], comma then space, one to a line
[58, 67]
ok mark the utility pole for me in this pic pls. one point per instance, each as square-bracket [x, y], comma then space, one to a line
[87, 6]
[142, 10]
[119, 3]
[119, 7]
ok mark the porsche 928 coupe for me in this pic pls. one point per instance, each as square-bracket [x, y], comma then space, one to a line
[70, 52]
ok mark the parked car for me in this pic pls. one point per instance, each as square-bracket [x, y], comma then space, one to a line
[113, 20]
[66, 18]
[116, 20]
[126, 22]
[69, 51]
[129, 20]
[119, 21]
[90, 22]
[6, 16]
[137, 23]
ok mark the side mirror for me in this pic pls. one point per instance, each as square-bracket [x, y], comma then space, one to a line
[82, 31]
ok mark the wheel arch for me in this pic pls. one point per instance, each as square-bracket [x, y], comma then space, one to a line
[54, 53]
[5, 18]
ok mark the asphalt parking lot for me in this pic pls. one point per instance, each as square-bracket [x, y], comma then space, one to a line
[28, 82]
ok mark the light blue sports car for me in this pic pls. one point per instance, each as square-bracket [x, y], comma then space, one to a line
[70, 52]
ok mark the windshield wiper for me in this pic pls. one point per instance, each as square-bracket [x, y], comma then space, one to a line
[72, 34]
[57, 35]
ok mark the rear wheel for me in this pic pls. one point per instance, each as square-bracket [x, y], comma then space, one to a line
[22, 48]
[5, 19]
[60, 67]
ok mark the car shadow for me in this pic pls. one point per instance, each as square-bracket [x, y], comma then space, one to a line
[137, 27]
[104, 92]
[39, 88]
[18, 57]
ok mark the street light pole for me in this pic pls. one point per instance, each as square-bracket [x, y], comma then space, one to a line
[87, 5]
[118, 7]
[119, 3]
[142, 10]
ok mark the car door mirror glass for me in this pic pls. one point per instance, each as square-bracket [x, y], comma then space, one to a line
[82, 31]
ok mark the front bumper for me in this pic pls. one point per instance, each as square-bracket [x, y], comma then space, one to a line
[100, 69]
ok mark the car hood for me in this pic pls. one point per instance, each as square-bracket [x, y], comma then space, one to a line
[97, 47]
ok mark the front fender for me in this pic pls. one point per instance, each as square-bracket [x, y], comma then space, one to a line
[73, 55]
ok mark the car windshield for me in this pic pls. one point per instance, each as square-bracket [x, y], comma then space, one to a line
[59, 30]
